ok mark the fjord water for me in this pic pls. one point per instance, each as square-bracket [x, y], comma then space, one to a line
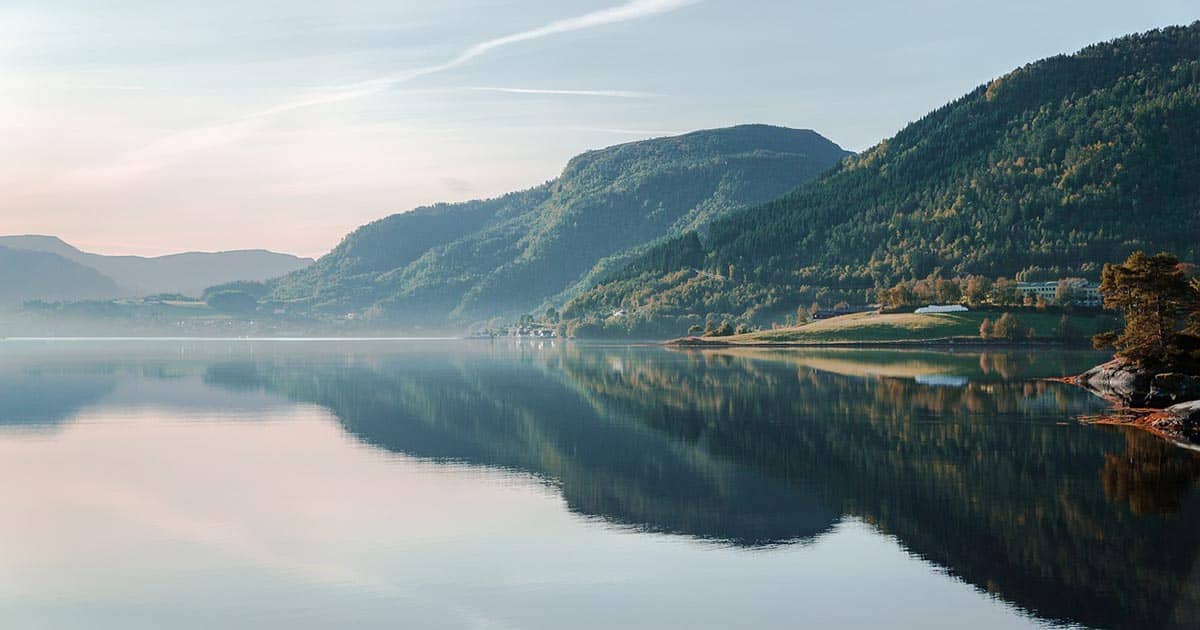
[199, 484]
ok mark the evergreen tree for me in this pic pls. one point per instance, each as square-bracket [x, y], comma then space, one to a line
[1156, 300]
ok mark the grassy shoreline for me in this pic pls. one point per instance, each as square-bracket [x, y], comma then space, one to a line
[966, 343]
[912, 329]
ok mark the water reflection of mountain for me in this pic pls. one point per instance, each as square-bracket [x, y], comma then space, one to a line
[46, 397]
[513, 414]
[46, 390]
[992, 479]
[44, 385]
[1073, 523]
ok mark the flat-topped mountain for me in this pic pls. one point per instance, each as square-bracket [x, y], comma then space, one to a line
[187, 273]
[470, 261]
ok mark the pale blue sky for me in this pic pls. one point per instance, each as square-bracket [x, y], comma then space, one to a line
[150, 127]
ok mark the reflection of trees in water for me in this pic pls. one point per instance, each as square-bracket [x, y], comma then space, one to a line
[1149, 474]
[983, 479]
[513, 414]
[1016, 364]
[998, 363]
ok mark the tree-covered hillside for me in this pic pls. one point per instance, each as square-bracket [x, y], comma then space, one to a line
[471, 261]
[1054, 168]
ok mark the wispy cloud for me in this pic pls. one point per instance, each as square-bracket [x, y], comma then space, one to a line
[178, 145]
[636, 9]
[632, 10]
[597, 93]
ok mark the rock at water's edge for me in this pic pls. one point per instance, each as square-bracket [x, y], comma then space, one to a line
[1128, 385]
[1180, 421]
[1171, 388]
[1176, 396]
[1119, 381]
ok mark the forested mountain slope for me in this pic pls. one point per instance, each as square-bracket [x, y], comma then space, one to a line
[1060, 165]
[471, 261]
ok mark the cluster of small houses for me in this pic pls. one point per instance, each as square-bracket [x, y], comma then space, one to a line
[538, 332]
[522, 332]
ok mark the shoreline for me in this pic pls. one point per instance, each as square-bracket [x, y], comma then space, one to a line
[1148, 420]
[1176, 423]
[968, 343]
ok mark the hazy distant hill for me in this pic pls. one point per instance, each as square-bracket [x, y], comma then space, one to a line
[29, 275]
[507, 255]
[189, 273]
[1061, 165]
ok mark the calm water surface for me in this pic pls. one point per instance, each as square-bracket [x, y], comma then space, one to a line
[187, 484]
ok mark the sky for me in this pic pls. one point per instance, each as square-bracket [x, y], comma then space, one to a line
[138, 127]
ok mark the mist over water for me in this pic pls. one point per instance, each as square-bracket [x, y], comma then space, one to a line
[501, 484]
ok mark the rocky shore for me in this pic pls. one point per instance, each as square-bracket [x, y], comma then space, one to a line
[1167, 403]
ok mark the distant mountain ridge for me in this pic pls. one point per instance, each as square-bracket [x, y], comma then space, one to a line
[1053, 168]
[499, 257]
[31, 275]
[187, 273]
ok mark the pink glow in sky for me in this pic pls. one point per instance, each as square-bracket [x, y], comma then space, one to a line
[148, 128]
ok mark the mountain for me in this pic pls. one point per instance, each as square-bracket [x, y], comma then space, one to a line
[1050, 170]
[189, 273]
[470, 261]
[29, 275]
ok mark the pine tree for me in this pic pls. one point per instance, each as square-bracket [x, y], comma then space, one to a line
[1156, 299]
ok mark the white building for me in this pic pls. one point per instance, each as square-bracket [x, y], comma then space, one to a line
[1082, 292]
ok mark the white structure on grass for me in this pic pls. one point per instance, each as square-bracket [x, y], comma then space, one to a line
[942, 308]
